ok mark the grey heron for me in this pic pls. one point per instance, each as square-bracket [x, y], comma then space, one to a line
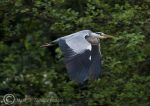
[81, 54]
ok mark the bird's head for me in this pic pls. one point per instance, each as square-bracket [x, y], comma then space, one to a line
[101, 35]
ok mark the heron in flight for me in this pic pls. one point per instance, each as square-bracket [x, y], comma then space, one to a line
[81, 52]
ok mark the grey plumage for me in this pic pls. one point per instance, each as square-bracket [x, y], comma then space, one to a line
[81, 55]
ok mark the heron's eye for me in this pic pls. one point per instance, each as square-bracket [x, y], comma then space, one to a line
[100, 33]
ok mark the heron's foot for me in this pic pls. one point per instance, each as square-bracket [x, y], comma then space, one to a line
[46, 45]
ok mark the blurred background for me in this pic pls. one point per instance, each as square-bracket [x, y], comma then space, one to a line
[26, 70]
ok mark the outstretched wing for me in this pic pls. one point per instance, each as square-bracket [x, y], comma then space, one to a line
[77, 52]
[95, 68]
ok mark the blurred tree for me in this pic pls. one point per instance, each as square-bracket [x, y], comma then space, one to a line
[28, 70]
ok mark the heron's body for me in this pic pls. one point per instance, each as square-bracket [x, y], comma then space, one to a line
[81, 54]
[76, 41]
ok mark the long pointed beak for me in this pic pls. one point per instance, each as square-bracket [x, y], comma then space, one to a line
[105, 36]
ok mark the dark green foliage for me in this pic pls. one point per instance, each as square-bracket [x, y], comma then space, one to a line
[28, 70]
